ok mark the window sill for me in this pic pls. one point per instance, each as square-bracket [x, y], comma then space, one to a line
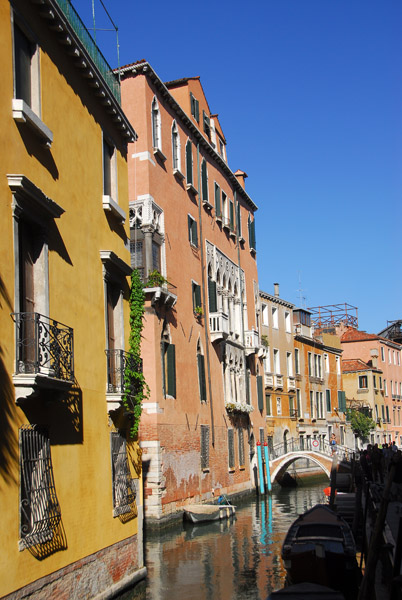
[109, 205]
[178, 174]
[159, 154]
[207, 204]
[22, 113]
[218, 218]
[191, 188]
[232, 234]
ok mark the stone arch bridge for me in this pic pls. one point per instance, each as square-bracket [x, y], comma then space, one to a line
[319, 452]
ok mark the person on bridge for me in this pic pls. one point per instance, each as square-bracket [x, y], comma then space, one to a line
[333, 444]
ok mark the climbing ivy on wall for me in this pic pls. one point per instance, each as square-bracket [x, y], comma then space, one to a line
[136, 389]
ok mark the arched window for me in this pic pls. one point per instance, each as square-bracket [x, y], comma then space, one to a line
[156, 125]
[176, 158]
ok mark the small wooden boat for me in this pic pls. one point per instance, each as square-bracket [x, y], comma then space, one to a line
[319, 548]
[306, 591]
[196, 513]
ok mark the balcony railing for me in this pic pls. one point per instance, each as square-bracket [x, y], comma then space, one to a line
[87, 41]
[291, 383]
[218, 325]
[116, 365]
[251, 341]
[44, 346]
[269, 380]
[278, 381]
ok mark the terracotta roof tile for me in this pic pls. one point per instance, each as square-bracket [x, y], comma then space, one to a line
[355, 364]
[353, 335]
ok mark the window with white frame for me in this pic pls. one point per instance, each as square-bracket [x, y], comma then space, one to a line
[156, 125]
[398, 356]
[310, 364]
[277, 364]
[338, 365]
[264, 313]
[363, 382]
[26, 103]
[176, 148]
[268, 405]
[288, 328]
[312, 413]
[389, 357]
[218, 208]
[202, 386]
[275, 319]
[394, 357]
[298, 402]
[192, 231]
[328, 400]
[225, 217]
[297, 361]
[195, 107]
[267, 361]
[385, 388]
[189, 167]
[278, 405]
[326, 363]
[289, 364]
[382, 354]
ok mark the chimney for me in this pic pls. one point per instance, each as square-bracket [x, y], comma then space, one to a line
[276, 288]
[241, 176]
[374, 357]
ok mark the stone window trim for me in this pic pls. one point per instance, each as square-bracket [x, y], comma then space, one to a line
[24, 111]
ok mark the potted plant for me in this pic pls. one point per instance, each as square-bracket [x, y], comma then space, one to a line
[198, 311]
[155, 279]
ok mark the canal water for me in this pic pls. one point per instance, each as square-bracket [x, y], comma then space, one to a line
[238, 559]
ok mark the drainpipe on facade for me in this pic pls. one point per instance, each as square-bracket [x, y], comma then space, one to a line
[203, 299]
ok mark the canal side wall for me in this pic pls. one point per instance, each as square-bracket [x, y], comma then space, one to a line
[98, 576]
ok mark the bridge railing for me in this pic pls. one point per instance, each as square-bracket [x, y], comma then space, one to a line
[310, 445]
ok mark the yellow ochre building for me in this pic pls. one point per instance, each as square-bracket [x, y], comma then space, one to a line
[70, 478]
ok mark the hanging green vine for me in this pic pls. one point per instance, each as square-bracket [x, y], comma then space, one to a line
[136, 389]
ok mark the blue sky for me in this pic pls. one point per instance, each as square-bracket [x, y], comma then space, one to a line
[309, 96]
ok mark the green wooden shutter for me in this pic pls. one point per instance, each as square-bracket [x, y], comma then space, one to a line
[212, 297]
[241, 448]
[231, 215]
[341, 401]
[201, 378]
[252, 235]
[189, 162]
[291, 406]
[171, 370]
[238, 219]
[195, 233]
[197, 111]
[260, 393]
[204, 181]
[217, 200]
[328, 399]
[196, 295]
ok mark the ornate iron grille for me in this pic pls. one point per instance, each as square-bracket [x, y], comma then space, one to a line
[204, 446]
[117, 360]
[44, 345]
[231, 449]
[241, 448]
[40, 512]
[123, 492]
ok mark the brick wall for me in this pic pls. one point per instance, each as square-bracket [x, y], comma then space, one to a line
[91, 577]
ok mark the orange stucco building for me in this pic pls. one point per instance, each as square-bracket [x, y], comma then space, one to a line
[385, 355]
[193, 241]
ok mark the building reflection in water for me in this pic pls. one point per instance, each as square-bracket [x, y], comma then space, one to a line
[225, 560]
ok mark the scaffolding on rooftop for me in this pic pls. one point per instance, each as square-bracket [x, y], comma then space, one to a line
[331, 315]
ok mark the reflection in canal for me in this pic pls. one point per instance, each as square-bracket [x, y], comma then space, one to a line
[226, 560]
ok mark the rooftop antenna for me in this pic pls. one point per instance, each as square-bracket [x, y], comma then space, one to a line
[115, 28]
[302, 299]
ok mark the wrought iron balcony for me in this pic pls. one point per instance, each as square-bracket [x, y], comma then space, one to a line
[44, 353]
[116, 361]
[218, 325]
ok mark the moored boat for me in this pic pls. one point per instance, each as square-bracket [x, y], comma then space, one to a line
[196, 513]
[306, 591]
[319, 548]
